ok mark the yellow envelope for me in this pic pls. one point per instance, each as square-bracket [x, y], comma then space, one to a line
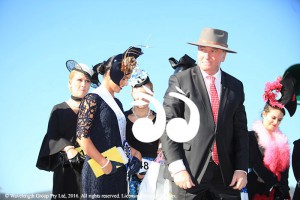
[113, 154]
[80, 150]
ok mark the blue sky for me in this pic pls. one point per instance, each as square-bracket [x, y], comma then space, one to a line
[38, 37]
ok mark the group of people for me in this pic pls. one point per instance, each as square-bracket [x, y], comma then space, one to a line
[88, 124]
[222, 159]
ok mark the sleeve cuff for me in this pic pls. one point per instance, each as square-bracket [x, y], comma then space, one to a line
[242, 171]
[176, 167]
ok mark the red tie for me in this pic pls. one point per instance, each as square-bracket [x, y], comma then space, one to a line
[215, 107]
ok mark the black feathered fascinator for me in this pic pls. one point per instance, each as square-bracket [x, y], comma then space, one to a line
[294, 73]
[116, 74]
[184, 63]
[115, 63]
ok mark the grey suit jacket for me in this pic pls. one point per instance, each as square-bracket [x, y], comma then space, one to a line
[230, 132]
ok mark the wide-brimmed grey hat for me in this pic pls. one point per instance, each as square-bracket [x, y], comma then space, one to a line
[216, 38]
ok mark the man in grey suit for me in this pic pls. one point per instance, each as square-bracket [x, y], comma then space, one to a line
[213, 165]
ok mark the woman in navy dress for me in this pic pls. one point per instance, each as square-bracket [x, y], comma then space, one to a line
[101, 125]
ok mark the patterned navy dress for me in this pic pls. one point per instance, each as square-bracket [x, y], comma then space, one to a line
[99, 122]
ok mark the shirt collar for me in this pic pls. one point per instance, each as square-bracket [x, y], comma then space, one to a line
[216, 75]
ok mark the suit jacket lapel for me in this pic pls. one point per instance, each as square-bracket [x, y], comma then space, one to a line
[203, 96]
[224, 95]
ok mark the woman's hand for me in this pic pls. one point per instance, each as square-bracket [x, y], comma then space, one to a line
[89, 148]
[107, 168]
[140, 176]
[136, 153]
[110, 167]
[70, 151]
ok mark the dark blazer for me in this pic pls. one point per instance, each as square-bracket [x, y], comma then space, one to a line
[296, 167]
[231, 130]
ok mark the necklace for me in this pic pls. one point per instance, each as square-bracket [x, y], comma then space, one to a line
[78, 99]
[136, 116]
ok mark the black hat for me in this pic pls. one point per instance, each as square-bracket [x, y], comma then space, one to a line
[288, 98]
[83, 68]
[184, 63]
[130, 52]
[281, 94]
[116, 74]
[114, 63]
[294, 71]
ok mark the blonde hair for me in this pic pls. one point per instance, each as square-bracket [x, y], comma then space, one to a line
[72, 74]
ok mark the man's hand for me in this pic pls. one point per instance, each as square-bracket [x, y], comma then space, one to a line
[239, 180]
[183, 180]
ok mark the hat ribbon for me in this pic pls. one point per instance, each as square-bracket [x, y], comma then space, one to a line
[213, 43]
